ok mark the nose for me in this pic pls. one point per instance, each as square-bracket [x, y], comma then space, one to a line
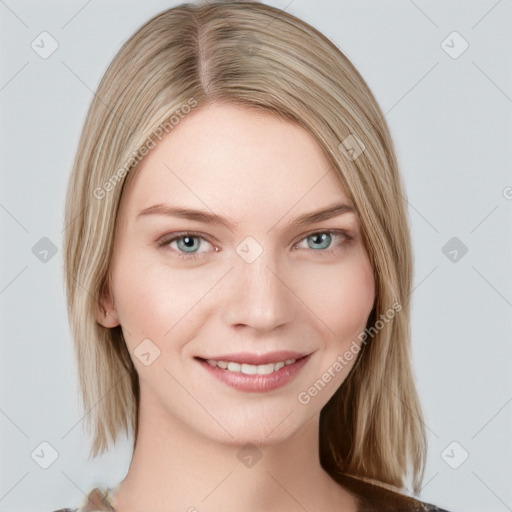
[258, 295]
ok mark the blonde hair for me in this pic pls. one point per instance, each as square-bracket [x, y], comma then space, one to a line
[260, 57]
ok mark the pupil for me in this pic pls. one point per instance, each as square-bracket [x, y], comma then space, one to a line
[188, 241]
[318, 238]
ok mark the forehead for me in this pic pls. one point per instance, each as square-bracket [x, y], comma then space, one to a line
[229, 159]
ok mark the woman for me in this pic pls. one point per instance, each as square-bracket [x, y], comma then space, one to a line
[238, 273]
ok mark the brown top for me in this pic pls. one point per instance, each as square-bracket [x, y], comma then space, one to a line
[372, 498]
[376, 498]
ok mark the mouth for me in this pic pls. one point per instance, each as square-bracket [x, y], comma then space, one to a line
[242, 371]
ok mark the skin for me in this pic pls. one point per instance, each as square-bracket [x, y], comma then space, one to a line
[302, 293]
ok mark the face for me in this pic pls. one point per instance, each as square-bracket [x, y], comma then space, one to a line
[255, 288]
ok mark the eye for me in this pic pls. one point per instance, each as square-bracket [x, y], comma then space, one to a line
[187, 244]
[322, 240]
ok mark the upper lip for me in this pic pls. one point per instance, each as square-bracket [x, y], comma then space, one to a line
[257, 359]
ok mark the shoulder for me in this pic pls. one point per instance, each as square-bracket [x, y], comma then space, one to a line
[96, 501]
[373, 497]
[396, 502]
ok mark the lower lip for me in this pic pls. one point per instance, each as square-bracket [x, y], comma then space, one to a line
[256, 383]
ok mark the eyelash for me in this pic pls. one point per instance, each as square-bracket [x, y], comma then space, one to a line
[164, 241]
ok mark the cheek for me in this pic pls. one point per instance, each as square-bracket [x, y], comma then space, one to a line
[344, 296]
[155, 302]
[145, 304]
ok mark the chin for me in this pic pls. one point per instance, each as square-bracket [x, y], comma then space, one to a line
[262, 428]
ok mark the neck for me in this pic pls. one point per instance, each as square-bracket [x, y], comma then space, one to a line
[175, 466]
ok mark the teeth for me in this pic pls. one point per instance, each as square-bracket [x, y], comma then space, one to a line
[233, 367]
[250, 369]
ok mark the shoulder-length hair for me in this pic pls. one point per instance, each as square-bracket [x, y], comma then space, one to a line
[260, 57]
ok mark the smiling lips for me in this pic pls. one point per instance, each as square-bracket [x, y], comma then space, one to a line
[250, 369]
[255, 372]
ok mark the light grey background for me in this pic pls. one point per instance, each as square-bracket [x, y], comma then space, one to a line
[451, 122]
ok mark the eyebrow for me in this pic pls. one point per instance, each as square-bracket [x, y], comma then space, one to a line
[212, 218]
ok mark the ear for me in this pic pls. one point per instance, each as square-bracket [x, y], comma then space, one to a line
[106, 313]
